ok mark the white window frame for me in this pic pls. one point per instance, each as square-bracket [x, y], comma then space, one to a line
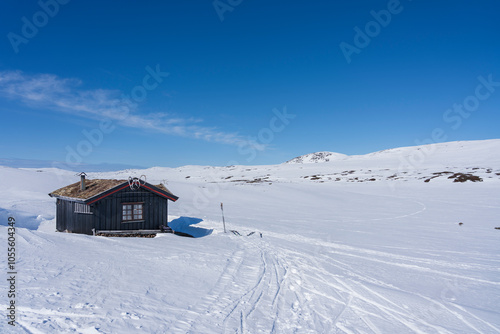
[132, 212]
[83, 208]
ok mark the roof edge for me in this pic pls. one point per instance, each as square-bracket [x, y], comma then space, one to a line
[124, 185]
[73, 199]
[155, 189]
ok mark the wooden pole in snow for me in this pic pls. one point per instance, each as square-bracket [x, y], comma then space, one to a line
[223, 221]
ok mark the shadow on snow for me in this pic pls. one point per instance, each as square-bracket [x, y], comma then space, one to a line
[184, 225]
[24, 220]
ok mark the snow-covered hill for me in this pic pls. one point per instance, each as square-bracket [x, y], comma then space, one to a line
[460, 153]
[317, 157]
[475, 161]
[366, 243]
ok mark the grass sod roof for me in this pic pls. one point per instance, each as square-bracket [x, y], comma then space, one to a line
[93, 188]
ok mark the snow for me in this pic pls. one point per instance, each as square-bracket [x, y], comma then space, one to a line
[339, 253]
[317, 157]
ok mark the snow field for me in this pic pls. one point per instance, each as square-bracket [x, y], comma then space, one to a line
[335, 257]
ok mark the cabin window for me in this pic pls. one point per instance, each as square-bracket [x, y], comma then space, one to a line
[82, 208]
[132, 212]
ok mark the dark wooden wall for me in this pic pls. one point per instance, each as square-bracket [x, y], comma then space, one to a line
[107, 213]
[68, 220]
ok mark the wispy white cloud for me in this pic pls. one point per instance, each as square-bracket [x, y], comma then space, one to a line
[66, 95]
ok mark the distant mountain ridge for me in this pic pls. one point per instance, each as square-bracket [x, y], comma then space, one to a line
[34, 163]
[317, 157]
[456, 152]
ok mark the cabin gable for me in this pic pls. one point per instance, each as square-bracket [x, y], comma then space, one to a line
[108, 212]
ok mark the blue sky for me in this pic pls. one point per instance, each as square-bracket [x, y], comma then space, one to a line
[234, 69]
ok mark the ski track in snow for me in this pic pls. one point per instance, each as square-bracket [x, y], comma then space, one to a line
[249, 291]
[266, 287]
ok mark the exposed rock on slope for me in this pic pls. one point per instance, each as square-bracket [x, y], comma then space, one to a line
[317, 157]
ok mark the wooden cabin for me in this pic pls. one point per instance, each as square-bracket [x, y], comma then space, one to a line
[102, 205]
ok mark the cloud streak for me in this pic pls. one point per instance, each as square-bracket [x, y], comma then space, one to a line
[66, 95]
